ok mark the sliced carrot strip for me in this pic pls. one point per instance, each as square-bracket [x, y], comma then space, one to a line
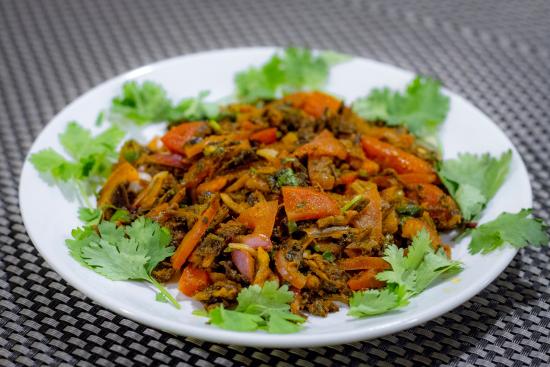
[193, 237]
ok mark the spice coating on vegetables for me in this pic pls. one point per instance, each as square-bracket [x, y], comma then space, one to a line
[299, 190]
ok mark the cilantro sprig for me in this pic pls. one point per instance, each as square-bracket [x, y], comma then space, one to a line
[518, 230]
[148, 103]
[259, 308]
[123, 252]
[91, 158]
[409, 275]
[292, 70]
[421, 108]
[473, 180]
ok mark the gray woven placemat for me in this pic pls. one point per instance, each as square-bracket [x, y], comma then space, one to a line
[496, 53]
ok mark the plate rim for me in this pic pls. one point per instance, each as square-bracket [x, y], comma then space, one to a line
[259, 339]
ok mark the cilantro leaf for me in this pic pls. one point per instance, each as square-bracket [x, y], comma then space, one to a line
[90, 216]
[374, 302]
[50, 162]
[265, 308]
[192, 109]
[287, 177]
[123, 252]
[421, 108]
[473, 180]
[295, 69]
[121, 215]
[234, 320]
[519, 230]
[91, 157]
[81, 237]
[422, 265]
[149, 103]
[141, 104]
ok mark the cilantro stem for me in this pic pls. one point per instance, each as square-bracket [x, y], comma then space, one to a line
[356, 199]
[84, 195]
[164, 292]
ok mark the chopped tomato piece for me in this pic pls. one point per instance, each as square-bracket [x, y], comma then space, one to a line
[193, 237]
[389, 156]
[193, 280]
[260, 217]
[303, 203]
[324, 144]
[178, 136]
[266, 136]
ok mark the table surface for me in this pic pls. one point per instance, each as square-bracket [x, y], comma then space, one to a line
[494, 53]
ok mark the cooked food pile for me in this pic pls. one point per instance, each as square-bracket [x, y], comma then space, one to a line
[300, 190]
[285, 203]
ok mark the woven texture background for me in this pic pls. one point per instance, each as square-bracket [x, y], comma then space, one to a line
[495, 53]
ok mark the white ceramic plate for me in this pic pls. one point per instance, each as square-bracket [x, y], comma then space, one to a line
[49, 215]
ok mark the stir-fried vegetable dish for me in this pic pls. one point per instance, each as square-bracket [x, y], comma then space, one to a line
[300, 190]
[284, 203]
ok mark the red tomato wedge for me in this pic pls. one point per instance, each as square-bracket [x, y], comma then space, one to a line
[303, 203]
[389, 156]
[193, 280]
[260, 217]
[266, 136]
[176, 138]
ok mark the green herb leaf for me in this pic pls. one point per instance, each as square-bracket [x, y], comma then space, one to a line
[473, 180]
[193, 109]
[124, 252]
[140, 104]
[422, 265]
[328, 256]
[149, 103]
[92, 157]
[518, 230]
[421, 108]
[266, 308]
[121, 215]
[286, 177]
[90, 216]
[375, 302]
[350, 204]
[160, 297]
[295, 69]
